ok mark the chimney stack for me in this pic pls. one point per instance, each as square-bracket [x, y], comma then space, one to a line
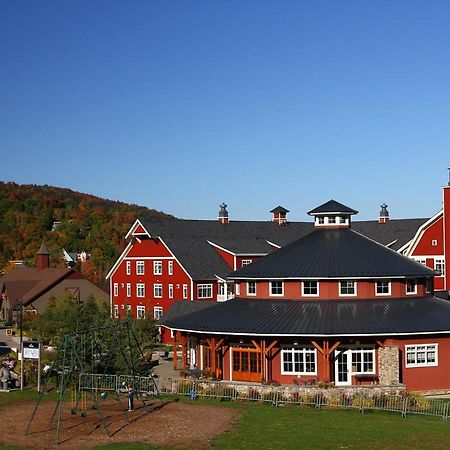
[279, 215]
[223, 214]
[42, 258]
[384, 214]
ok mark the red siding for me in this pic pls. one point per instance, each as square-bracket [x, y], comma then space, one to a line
[227, 257]
[446, 226]
[433, 232]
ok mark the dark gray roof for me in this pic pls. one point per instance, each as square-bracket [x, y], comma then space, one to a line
[279, 209]
[333, 253]
[332, 206]
[188, 239]
[43, 250]
[313, 318]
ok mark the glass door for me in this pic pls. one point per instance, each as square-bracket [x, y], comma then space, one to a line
[341, 368]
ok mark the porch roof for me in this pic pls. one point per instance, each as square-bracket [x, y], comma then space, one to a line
[392, 317]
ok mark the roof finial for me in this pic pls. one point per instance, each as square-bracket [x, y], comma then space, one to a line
[223, 213]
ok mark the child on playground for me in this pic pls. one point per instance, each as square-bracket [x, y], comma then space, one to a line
[130, 394]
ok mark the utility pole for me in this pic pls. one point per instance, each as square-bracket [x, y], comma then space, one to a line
[20, 323]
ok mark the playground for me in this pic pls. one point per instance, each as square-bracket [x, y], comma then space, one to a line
[169, 423]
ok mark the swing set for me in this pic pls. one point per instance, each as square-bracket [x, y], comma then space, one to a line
[86, 367]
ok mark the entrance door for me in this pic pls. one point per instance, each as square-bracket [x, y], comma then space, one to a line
[246, 364]
[341, 368]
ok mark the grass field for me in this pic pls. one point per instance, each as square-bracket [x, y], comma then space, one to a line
[293, 427]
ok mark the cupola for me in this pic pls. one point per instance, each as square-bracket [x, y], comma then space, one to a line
[332, 214]
[42, 258]
[223, 214]
[279, 215]
[384, 214]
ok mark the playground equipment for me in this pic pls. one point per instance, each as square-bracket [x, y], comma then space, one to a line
[8, 378]
[86, 366]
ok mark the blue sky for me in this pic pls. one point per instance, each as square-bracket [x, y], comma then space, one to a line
[180, 105]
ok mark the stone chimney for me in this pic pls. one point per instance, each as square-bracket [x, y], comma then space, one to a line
[42, 258]
[279, 215]
[384, 214]
[223, 214]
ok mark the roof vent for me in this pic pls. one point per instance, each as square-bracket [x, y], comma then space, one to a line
[42, 258]
[384, 214]
[223, 213]
[279, 215]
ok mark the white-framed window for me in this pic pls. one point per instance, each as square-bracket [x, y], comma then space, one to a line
[341, 220]
[439, 266]
[246, 262]
[140, 268]
[157, 267]
[128, 308]
[331, 219]
[310, 288]
[320, 220]
[185, 291]
[411, 286]
[347, 287]
[128, 267]
[140, 290]
[157, 312]
[363, 360]
[140, 312]
[204, 291]
[421, 355]
[251, 287]
[128, 289]
[116, 289]
[116, 311]
[170, 267]
[170, 290]
[434, 242]
[383, 287]
[422, 261]
[276, 288]
[298, 361]
[157, 290]
[237, 288]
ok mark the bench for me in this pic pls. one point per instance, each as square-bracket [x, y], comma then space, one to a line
[366, 377]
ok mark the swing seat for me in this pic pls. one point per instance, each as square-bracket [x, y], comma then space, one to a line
[103, 395]
[94, 407]
[83, 414]
[73, 411]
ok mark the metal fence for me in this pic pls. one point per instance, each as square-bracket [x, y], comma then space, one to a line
[314, 397]
[105, 382]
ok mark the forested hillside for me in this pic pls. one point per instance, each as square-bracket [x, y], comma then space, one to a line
[87, 223]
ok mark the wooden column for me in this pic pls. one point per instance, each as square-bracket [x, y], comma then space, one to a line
[268, 356]
[183, 339]
[326, 351]
[175, 351]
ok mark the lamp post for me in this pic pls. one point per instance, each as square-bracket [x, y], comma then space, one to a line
[19, 310]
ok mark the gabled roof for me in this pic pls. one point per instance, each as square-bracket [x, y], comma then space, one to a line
[279, 209]
[312, 318]
[332, 207]
[28, 284]
[333, 253]
[188, 239]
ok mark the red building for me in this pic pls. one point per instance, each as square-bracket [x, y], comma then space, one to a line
[333, 305]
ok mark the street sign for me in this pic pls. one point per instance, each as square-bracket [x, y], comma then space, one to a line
[31, 350]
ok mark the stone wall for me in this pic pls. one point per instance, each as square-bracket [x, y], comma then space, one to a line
[388, 365]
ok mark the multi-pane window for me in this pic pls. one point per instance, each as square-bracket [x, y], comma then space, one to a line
[157, 267]
[140, 290]
[301, 361]
[128, 266]
[128, 289]
[439, 266]
[116, 311]
[383, 287]
[347, 287]
[310, 288]
[116, 289]
[185, 291]
[341, 219]
[411, 286]
[204, 291]
[170, 290]
[170, 267]
[157, 290]
[331, 219]
[421, 355]
[157, 312]
[363, 360]
[276, 288]
[246, 262]
[320, 220]
[251, 287]
[140, 268]
[140, 312]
